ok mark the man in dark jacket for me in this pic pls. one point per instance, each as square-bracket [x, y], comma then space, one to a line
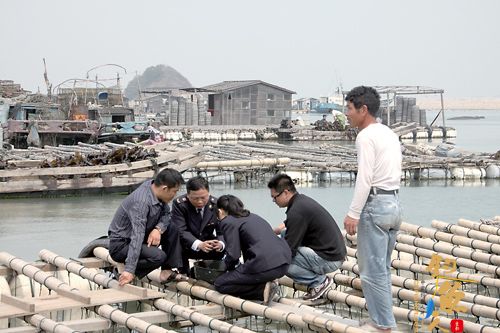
[194, 214]
[313, 236]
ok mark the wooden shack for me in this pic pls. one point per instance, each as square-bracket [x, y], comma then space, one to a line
[250, 102]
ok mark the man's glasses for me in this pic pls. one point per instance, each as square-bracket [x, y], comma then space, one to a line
[277, 195]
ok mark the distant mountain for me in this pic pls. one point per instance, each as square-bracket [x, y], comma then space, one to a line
[159, 76]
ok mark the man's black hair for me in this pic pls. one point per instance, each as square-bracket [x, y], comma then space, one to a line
[363, 95]
[281, 182]
[168, 177]
[197, 183]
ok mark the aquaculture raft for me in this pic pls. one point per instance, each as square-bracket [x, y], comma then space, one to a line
[83, 295]
[92, 168]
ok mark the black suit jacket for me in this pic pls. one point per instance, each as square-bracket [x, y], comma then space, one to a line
[262, 249]
[186, 219]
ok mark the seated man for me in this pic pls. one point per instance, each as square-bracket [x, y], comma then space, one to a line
[141, 224]
[313, 236]
[195, 216]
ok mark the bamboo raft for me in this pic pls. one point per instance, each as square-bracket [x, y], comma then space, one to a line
[334, 163]
[59, 294]
[111, 177]
[237, 162]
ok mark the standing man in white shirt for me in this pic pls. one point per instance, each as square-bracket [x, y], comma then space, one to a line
[374, 213]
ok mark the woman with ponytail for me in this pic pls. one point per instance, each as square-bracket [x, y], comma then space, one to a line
[265, 256]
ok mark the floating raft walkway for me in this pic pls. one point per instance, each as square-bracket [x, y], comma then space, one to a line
[89, 168]
[406, 131]
[327, 162]
[121, 168]
[58, 294]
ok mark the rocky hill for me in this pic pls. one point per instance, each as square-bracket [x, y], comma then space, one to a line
[160, 76]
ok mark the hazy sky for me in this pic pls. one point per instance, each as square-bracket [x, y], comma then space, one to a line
[306, 46]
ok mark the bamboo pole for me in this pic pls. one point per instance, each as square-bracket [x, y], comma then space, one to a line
[288, 317]
[467, 232]
[450, 238]
[479, 226]
[466, 263]
[57, 285]
[243, 163]
[243, 305]
[399, 313]
[449, 249]
[161, 304]
[416, 268]
[409, 295]
[128, 320]
[21, 266]
[461, 262]
[421, 269]
[428, 287]
[48, 325]
[198, 318]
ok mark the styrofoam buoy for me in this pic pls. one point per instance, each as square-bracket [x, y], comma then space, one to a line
[4, 289]
[434, 173]
[197, 136]
[472, 173]
[451, 133]
[20, 286]
[40, 290]
[301, 176]
[492, 171]
[457, 173]
[82, 285]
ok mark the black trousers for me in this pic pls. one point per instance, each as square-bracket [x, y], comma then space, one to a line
[188, 253]
[152, 257]
[245, 285]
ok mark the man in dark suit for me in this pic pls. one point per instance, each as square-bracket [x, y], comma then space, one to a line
[194, 214]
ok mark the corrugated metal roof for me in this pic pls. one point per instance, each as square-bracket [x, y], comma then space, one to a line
[404, 90]
[232, 85]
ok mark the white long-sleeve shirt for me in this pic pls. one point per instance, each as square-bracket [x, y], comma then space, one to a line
[379, 164]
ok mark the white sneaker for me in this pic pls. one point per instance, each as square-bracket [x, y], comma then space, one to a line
[320, 290]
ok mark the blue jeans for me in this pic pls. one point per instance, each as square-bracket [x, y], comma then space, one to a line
[309, 269]
[378, 225]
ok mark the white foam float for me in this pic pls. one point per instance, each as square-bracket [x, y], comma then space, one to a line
[247, 136]
[4, 289]
[492, 171]
[20, 286]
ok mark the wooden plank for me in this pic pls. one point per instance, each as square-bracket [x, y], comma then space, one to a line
[17, 302]
[68, 184]
[9, 311]
[82, 325]
[37, 185]
[74, 295]
[113, 168]
[87, 262]
[56, 302]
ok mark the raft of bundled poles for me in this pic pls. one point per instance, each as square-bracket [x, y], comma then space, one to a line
[59, 294]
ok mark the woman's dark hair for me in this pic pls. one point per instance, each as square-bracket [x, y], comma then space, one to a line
[232, 205]
[168, 177]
